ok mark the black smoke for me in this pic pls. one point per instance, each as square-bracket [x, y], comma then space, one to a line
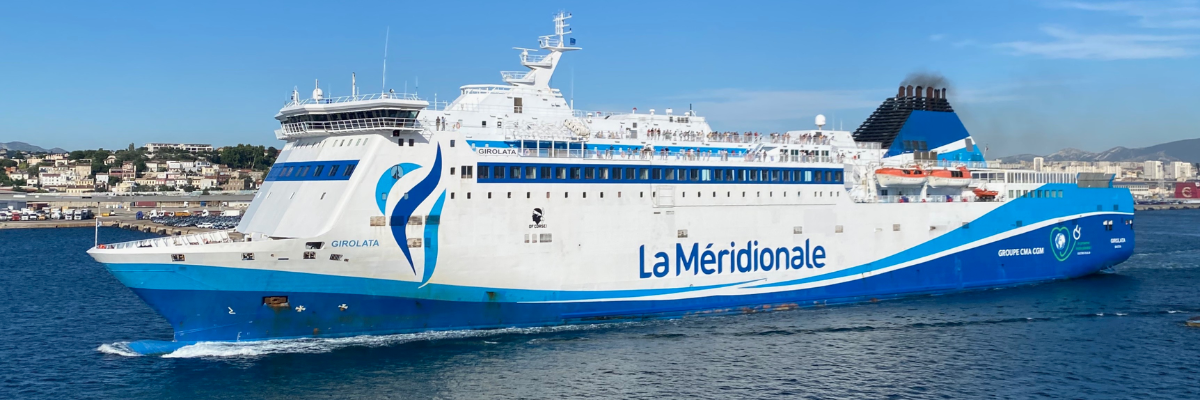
[926, 79]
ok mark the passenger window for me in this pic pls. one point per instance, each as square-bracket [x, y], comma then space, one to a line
[349, 170]
[333, 170]
[318, 171]
[483, 172]
[560, 172]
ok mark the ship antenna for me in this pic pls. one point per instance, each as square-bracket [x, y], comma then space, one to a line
[572, 88]
[386, 36]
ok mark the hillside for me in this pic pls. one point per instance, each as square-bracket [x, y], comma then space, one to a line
[1187, 150]
[22, 146]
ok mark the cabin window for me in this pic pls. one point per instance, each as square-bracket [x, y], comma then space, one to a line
[414, 220]
[451, 143]
[589, 173]
[544, 238]
[411, 142]
[451, 170]
[485, 126]
[247, 256]
[177, 257]
[310, 255]
[414, 243]
[314, 245]
[498, 172]
[530, 172]
[433, 219]
[644, 173]
[333, 169]
[318, 170]
[657, 174]
[514, 172]
[483, 172]
[575, 172]
[349, 170]
[630, 173]
[670, 176]
[518, 105]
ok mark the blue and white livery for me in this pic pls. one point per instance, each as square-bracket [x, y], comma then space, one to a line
[509, 208]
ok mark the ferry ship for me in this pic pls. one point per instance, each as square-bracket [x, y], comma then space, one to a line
[509, 208]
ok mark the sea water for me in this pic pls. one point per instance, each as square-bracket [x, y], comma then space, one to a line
[64, 323]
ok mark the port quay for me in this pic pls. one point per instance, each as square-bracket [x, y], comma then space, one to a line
[117, 211]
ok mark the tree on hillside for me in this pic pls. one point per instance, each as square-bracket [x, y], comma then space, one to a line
[244, 156]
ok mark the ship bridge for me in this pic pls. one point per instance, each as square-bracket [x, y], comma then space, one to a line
[355, 114]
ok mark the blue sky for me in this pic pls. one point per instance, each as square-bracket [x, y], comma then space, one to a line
[1027, 76]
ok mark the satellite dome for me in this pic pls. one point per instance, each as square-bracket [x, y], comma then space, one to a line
[820, 121]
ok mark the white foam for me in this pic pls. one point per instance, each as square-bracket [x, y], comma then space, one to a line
[325, 345]
[118, 348]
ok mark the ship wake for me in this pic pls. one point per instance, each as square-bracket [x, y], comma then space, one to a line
[259, 348]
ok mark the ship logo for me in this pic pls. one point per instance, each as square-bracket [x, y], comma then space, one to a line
[406, 208]
[538, 219]
[1063, 240]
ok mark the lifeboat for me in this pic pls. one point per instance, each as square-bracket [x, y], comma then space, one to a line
[960, 177]
[889, 177]
[985, 195]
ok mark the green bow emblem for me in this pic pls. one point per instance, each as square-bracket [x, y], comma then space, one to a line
[1061, 243]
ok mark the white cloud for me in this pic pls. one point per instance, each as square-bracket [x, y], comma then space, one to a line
[1150, 14]
[937, 37]
[1069, 44]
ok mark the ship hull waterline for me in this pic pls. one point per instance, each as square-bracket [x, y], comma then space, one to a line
[240, 316]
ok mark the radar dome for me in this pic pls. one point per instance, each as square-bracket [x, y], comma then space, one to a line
[820, 121]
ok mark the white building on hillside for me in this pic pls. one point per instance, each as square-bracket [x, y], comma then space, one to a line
[190, 147]
[1152, 170]
[1180, 171]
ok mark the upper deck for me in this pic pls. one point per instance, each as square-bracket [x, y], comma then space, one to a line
[349, 114]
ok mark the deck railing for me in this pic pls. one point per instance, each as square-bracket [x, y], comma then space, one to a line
[300, 128]
[195, 239]
[619, 155]
[361, 97]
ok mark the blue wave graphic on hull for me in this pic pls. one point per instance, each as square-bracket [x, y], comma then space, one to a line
[388, 180]
[409, 203]
[431, 236]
